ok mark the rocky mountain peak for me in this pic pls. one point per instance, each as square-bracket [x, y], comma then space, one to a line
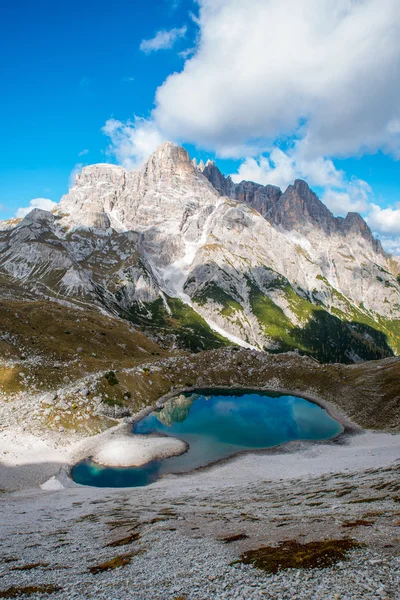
[299, 207]
[170, 159]
[37, 218]
[101, 173]
[353, 223]
[223, 185]
[302, 187]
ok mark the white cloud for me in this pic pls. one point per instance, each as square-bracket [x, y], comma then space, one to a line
[83, 152]
[385, 221]
[42, 203]
[311, 70]
[355, 196]
[163, 40]
[186, 53]
[281, 168]
[391, 244]
[264, 68]
[132, 142]
[322, 73]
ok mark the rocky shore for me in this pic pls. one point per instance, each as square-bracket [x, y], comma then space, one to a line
[307, 520]
[187, 536]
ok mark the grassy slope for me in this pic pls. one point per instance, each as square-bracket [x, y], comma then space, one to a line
[328, 337]
[41, 340]
[183, 325]
[54, 344]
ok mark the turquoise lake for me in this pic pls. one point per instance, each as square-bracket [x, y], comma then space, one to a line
[216, 425]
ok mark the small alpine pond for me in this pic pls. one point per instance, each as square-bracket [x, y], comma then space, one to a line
[216, 425]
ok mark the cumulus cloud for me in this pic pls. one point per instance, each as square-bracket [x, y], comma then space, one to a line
[385, 221]
[391, 245]
[263, 72]
[265, 68]
[355, 196]
[163, 40]
[281, 168]
[42, 203]
[132, 142]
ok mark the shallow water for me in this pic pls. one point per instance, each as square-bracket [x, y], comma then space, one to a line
[216, 425]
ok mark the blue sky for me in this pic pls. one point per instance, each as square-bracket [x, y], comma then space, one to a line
[240, 93]
[67, 67]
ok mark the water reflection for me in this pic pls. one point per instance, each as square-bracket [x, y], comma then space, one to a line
[217, 425]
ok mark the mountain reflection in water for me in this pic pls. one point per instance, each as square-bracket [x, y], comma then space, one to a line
[216, 425]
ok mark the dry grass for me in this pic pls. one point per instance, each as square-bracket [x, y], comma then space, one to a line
[56, 335]
[29, 566]
[114, 563]
[17, 592]
[125, 541]
[233, 538]
[358, 523]
[294, 555]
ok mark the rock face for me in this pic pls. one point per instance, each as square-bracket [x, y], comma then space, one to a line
[177, 241]
[297, 208]
[260, 197]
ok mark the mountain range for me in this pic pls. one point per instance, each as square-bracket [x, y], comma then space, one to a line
[197, 261]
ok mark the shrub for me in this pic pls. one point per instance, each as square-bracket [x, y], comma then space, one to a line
[111, 378]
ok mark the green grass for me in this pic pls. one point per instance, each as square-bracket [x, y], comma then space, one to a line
[328, 337]
[214, 293]
[189, 330]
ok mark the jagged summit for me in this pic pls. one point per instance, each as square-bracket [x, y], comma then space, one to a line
[108, 196]
[297, 208]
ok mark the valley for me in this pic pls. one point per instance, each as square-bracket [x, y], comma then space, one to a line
[149, 285]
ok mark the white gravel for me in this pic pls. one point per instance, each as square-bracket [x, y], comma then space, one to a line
[137, 450]
[302, 491]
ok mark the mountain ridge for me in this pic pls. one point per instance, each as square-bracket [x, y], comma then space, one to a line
[161, 246]
[296, 206]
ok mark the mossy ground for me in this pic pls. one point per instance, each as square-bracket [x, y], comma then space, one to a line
[30, 590]
[294, 555]
[113, 563]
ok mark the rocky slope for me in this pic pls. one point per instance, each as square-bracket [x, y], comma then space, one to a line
[176, 244]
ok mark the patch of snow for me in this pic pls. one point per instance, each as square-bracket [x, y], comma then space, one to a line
[52, 485]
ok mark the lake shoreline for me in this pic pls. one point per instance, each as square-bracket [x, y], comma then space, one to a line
[58, 461]
[214, 436]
